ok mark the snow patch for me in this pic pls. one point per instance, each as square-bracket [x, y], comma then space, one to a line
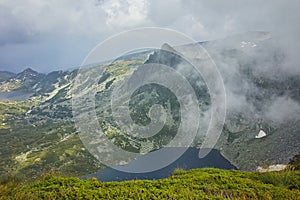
[23, 156]
[66, 137]
[56, 90]
[261, 134]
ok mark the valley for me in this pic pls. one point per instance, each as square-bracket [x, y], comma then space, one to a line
[38, 133]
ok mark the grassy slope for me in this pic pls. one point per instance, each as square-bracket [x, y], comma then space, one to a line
[193, 184]
[10, 109]
[27, 150]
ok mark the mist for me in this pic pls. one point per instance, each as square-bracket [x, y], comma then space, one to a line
[260, 77]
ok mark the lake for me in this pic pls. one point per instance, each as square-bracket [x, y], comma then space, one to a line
[189, 160]
[15, 95]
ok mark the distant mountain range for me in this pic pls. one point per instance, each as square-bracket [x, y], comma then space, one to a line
[39, 134]
[4, 75]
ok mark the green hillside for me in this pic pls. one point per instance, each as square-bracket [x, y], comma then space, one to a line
[193, 184]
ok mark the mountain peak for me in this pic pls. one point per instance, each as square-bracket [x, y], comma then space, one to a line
[28, 73]
[29, 70]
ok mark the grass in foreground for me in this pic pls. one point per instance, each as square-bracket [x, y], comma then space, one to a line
[193, 184]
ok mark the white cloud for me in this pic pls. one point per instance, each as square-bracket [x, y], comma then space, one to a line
[59, 22]
[54, 16]
[125, 13]
[166, 12]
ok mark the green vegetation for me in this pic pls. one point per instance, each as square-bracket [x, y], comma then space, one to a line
[4, 75]
[32, 151]
[193, 184]
[122, 67]
[295, 162]
[38, 136]
[10, 86]
[30, 147]
[11, 109]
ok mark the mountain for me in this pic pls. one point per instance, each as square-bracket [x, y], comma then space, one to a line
[24, 81]
[39, 134]
[261, 96]
[28, 73]
[4, 75]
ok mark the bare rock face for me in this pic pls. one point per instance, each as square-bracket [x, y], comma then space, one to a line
[271, 168]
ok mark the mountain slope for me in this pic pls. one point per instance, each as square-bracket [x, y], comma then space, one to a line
[4, 75]
[24, 81]
[261, 96]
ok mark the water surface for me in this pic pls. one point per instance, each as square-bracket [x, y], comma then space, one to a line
[15, 95]
[189, 160]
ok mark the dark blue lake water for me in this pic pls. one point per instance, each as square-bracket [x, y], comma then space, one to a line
[15, 95]
[189, 160]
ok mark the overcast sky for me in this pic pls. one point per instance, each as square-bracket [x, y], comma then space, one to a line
[57, 34]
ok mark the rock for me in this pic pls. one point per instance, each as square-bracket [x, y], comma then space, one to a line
[271, 168]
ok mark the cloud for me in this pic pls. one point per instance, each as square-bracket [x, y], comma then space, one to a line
[165, 13]
[125, 14]
[53, 17]
[11, 29]
[48, 35]
[283, 109]
[54, 23]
